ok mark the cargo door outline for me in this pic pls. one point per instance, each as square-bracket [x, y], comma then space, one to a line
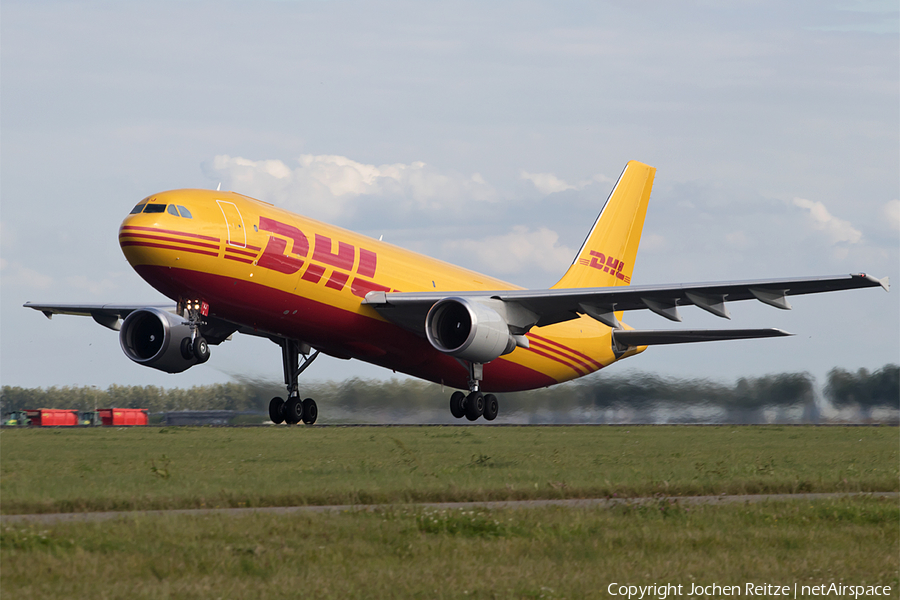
[234, 222]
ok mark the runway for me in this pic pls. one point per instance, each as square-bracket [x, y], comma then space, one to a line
[54, 518]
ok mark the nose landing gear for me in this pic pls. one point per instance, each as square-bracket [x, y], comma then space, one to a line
[474, 404]
[293, 410]
[194, 347]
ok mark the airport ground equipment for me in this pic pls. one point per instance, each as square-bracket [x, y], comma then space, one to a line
[118, 417]
[16, 418]
[55, 417]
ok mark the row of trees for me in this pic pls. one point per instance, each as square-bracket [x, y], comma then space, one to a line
[641, 396]
[863, 389]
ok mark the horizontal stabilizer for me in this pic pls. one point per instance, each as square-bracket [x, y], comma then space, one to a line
[652, 337]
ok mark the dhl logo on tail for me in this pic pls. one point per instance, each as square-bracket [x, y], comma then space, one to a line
[607, 264]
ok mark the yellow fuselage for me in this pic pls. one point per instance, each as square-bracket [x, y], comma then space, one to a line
[288, 276]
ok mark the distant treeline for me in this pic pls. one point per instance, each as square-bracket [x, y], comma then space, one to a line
[602, 397]
[863, 389]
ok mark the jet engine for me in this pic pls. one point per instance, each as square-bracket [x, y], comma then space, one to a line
[469, 330]
[156, 338]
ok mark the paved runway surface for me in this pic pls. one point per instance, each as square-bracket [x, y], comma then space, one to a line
[511, 504]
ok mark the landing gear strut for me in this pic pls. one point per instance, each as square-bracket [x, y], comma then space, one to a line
[293, 410]
[474, 404]
[194, 347]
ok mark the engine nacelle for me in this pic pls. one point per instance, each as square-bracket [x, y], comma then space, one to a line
[153, 338]
[469, 330]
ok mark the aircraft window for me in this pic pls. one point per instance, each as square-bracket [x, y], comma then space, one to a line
[184, 212]
[172, 210]
[155, 208]
[137, 209]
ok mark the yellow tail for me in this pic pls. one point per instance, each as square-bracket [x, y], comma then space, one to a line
[607, 256]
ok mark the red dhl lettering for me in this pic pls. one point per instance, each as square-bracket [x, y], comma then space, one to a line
[313, 273]
[368, 262]
[608, 264]
[337, 280]
[275, 258]
[360, 287]
[342, 260]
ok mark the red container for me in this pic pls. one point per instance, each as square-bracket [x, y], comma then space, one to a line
[46, 417]
[123, 416]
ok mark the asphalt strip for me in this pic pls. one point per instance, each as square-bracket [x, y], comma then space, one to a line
[52, 518]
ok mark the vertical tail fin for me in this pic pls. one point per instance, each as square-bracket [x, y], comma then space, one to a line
[607, 256]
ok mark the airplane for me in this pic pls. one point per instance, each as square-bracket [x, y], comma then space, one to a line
[234, 264]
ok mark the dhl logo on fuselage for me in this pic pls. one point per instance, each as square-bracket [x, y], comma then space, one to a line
[275, 256]
[607, 264]
[323, 256]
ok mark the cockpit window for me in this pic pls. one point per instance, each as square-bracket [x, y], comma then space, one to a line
[172, 209]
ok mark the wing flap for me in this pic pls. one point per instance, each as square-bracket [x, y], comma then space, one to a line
[650, 337]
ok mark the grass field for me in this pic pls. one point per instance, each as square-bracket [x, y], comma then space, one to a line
[531, 553]
[65, 470]
[416, 552]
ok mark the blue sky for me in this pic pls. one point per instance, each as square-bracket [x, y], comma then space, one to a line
[485, 134]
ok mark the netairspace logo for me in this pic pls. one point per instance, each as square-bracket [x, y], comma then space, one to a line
[663, 591]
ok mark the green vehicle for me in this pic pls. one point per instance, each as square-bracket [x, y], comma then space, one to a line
[89, 417]
[16, 418]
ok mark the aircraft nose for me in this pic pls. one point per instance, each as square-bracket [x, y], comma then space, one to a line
[162, 231]
[142, 232]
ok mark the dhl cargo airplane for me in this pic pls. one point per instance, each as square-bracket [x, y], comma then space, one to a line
[235, 264]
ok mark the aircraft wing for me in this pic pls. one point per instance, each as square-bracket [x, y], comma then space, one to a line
[545, 307]
[112, 315]
[108, 315]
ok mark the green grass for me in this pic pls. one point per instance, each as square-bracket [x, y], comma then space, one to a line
[62, 470]
[420, 553]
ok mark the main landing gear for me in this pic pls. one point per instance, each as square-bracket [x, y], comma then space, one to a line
[294, 410]
[474, 404]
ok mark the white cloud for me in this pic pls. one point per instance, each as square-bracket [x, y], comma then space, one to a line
[652, 242]
[326, 186]
[548, 183]
[16, 275]
[517, 251]
[838, 230]
[891, 212]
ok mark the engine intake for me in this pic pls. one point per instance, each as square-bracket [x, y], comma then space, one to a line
[153, 338]
[466, 329]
